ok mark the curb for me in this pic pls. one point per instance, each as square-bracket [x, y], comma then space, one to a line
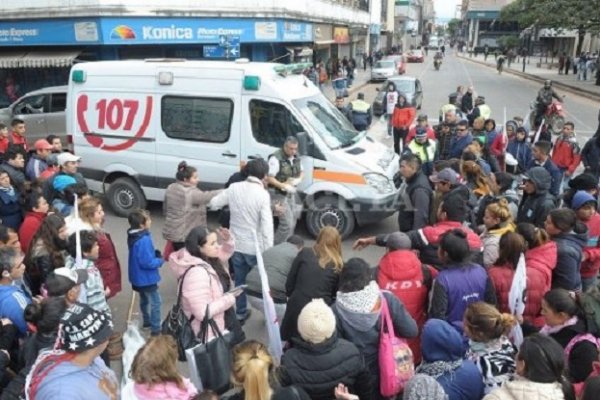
[568, 88]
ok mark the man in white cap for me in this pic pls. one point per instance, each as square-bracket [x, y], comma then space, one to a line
[68, 164]
[68, 283]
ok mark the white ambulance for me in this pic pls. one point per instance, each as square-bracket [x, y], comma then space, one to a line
[133, 121]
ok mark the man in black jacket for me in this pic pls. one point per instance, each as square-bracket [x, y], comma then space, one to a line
[414, 196]
[537, 202]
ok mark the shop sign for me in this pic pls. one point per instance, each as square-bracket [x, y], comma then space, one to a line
[340, 35]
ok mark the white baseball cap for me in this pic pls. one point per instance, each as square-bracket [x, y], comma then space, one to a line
[66, 157]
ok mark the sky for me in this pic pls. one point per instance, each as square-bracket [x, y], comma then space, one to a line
[445, 8]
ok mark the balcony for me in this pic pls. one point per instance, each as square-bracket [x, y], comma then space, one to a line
[332, 11]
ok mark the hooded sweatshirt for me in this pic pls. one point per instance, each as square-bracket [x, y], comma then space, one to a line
[442, 343]
[67, 380]
[534, 208]
[569, 247]
[143, 262]
[12, 305]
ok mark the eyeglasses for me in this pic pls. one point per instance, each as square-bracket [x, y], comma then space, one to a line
[461, 130]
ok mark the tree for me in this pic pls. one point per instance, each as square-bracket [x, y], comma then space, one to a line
[508, 42]
[453, 26]
[579, 15]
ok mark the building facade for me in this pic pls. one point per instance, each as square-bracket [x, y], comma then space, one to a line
[41, 39]
[414, 21]
[482, 21]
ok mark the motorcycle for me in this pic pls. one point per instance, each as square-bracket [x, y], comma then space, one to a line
[437, 63]
[553, 120]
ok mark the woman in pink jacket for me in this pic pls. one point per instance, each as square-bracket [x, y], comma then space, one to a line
[208, 283]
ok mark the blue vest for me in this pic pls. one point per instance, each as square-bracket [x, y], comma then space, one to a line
[464, 286]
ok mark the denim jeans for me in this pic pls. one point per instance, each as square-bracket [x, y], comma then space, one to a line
[242, 264]
[150, 298]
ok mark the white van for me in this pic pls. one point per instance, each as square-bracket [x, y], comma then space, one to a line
[134, 121]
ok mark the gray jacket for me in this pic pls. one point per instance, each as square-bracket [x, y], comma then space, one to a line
[278, 262]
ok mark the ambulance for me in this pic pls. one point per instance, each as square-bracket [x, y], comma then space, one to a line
[133, 121]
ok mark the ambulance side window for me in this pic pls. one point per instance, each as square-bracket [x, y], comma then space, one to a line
[272, 123]
[197, 118]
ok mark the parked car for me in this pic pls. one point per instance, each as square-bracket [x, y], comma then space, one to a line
[400, 63]
[415, 56]
[42, 110]
[383, 70]
[411, 87]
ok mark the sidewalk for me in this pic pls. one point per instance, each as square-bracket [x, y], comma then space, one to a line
[361, 79]
[565, 82]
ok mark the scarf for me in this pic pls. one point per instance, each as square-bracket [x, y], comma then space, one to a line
[362, 301]
[438, 368]
[549, 330]
[9, 190]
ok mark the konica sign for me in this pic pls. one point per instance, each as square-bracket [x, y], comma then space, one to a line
[197, 30]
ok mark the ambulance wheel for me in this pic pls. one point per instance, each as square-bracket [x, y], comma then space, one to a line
[330, 211]
[124, 195]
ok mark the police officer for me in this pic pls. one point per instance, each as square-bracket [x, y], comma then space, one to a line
[285, 173]
[481, 110]
[360, 113]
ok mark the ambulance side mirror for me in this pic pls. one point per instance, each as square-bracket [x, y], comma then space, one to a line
[303, 143]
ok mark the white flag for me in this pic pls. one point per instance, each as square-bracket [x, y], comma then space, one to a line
[275, 346]
[517, 298]
[78, 256]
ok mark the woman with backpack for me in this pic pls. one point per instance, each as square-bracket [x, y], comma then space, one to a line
[565, 323]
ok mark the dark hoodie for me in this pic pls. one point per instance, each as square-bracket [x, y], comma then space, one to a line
[534, 208]
[569, 248]
[441, 342]
[590, 154]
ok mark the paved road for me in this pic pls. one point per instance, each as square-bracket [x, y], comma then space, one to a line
[500, 91]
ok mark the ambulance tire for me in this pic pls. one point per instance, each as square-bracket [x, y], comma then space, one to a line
[124, 195]
[330, 211]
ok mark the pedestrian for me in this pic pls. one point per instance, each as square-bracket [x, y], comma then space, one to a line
[390, 99]
[10, 210]
[18, 135]
[14, 166]
[537, 202]
[278, 262]
[360, 113]
[402, 118]
[497, 221]
[155, 375]
[9, 238]
[13, 299]
[414, 194]
[252, 370]
[358, 309]
[568, 62]
[68, 164]
[461, 140]
[443, 359]
[582, 67]
[519, 148]
[56, 143]
[425, 149]
[37, 162]
[402, 273]
[444, 139]
[285, 174]
[320, 359]
[570, 236]
[590, 155]
[489, 346]
[539, 373]
[561, 62]
[36, 209]
[91, 215]
[422, 122]
[144, 263]
[566, 323]
[541, 157]
[251, 220]
[467, 101]
[314, 275]
[584, 205]
[47, 252]
[566, 154]
[75, 370]
[460, 283]
[184, 206]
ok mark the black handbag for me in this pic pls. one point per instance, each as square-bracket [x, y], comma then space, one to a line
[211, 359]
[178, 325]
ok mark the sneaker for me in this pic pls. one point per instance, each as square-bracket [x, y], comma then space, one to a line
[244, 317]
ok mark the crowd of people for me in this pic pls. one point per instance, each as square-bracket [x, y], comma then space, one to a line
[489, 287]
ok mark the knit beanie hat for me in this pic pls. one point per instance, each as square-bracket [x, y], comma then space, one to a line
[423, 387]
[316, 322]
[83, 328]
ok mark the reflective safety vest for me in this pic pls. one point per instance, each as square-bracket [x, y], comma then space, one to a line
[287, 169]
[485, 111]
[360, 106]
[425, 152]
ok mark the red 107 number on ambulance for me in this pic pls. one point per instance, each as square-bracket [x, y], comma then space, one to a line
[98, 115]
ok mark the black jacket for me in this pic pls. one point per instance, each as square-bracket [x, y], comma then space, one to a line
[590, 155]
[414, 203]
[319, 368]
[467, 103]
[582, 355]
[16, 175]
[569, 249]
[534, 208]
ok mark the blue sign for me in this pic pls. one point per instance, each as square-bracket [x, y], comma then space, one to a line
[198, 30]
[55, 32]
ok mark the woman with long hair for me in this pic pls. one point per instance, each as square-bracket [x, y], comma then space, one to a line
[251, 371]
[91, 217]
[314, 275]
[48, 251]
[10, 209]
[207, 284]
[154, 372]
[497, 220]
[540, 371]
[184, 206]
[475, 179]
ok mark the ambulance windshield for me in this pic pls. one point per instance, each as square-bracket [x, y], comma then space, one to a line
[335, 129]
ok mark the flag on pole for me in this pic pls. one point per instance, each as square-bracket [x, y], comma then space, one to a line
[517, 298]
[78, 256]
[539, 131]
[275, 346]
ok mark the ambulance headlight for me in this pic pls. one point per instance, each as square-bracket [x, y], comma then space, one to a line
[379, 182]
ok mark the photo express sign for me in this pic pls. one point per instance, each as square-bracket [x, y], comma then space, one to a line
[180, 30]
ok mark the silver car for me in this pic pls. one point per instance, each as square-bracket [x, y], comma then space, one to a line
[42, 110]
[384, 69]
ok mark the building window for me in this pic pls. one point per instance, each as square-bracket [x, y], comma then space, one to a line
[197, 118]
[272, 123]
